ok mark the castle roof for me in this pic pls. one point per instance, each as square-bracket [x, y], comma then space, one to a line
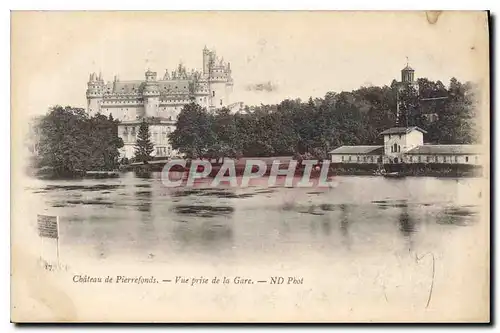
[128, 87]
[408, 69]
[133, 87]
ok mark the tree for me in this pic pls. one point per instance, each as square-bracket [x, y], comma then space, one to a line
[102, 129]
[70, 142]
[225, 143]
[143, 147]
[193, 135]
[63, 141]
[318, 125]
[456, 121]
[409, 107]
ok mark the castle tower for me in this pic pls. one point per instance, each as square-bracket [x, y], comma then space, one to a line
[151, 94]
[95, 93]
[217, 75]
[206, 60]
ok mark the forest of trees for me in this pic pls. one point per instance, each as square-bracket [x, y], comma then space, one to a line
[294, 127]
[69, 141]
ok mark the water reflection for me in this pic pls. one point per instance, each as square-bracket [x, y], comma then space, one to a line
[143, 197]
[460, 216]
[147, 237]
[203, 219]
[108, 217]
[212, 236]
[407, 225]
[326, 226]
[202, 210]
[344, 226]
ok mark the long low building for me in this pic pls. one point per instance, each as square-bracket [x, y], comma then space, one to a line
[358, 154]
[405, 145]
[448, 154]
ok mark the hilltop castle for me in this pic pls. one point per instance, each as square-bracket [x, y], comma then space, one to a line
[160, 100]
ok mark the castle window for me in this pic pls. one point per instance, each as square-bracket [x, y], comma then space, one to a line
[357, 158]
[342, 158]
[349, 158]
[444, 159]
[466, 158]
[435, 158]
[419, 159]
[213, 93]
[456, 159]
[399, 148]
[476, 159]
[428, 159]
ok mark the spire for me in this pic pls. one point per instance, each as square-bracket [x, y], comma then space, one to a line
[407, 62]
[100, 76]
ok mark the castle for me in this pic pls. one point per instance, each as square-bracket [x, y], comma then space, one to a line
[160, 100]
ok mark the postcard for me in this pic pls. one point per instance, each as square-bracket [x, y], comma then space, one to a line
[250, 166]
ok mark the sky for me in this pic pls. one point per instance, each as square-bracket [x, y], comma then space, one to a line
[301, 54]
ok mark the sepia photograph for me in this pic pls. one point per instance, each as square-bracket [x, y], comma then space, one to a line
[250, 166]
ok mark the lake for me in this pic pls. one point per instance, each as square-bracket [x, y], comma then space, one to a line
[367, 248]
[140, 219]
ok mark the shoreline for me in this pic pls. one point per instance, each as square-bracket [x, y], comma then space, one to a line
[401, 170]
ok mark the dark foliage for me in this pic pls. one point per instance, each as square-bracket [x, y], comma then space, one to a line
[319, 125]
[70, 142]
[143, 147]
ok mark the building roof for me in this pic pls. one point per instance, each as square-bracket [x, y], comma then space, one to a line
[137, 86]
[127, 87]
[408, 68]
[445, 150]
[358, 150]
[402, 130]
